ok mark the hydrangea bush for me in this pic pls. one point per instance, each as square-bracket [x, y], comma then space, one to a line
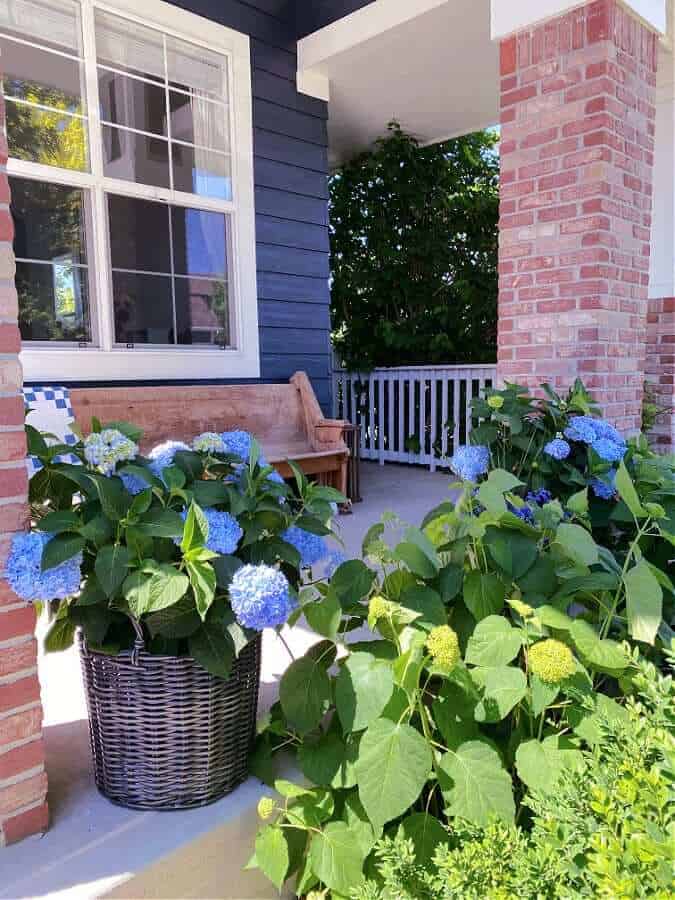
[469, 664]
[198, 545]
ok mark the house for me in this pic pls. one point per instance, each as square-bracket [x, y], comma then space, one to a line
[167, 164]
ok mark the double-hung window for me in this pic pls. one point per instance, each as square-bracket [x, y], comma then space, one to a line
[131, 176]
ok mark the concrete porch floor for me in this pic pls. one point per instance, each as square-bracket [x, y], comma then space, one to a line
[94, 849]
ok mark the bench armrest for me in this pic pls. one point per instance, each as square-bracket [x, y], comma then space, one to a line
[328, 433]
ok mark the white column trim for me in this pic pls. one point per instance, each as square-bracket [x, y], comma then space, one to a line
[509, 16]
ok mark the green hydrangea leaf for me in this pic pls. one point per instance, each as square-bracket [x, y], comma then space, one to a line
[494, 643]
[503, 687]
[484, 594]
[577, 544]
[305, 693]
[336, 857]
[475, 785]
[426, 833]
[362, 690]
[644, 602]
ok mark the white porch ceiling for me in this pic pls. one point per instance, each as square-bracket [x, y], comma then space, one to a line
[436, 72]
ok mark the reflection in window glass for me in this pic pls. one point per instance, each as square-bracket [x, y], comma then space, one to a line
[201, 311]
[55, 23]
[143, 308]
[199, 242]
[197, 121]
[38, 76]
[132, 102]
[132, 222]
[196, 69]
[51, 257]
[135, 157]
[128, 46]
[201, 172]
[50, 138]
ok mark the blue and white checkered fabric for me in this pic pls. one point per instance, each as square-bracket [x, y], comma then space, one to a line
[50, 411]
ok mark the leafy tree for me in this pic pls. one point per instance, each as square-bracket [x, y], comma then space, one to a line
[414, 252]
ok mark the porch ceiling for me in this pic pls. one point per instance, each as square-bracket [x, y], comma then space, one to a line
[432, 67]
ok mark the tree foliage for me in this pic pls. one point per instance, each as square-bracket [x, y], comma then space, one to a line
[414, 252]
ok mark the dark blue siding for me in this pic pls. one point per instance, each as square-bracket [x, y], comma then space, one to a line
[317, 13]
[291, 167]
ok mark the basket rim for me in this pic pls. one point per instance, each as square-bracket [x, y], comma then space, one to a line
[142, 653]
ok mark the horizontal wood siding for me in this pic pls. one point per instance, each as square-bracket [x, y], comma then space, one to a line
[291, 192]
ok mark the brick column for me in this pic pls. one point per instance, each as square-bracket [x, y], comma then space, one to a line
[23, 781]
[577, 113]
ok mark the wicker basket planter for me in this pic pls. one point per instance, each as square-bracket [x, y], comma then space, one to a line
[166, 734]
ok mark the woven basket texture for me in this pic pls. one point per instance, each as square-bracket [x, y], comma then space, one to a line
[165, 733]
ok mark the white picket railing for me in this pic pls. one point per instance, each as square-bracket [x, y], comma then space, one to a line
[413, 414]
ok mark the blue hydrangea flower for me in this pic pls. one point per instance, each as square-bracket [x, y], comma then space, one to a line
[163, 455]
[333, 561]
[540, 497]
[581, 428]
[208, 442]
[523, 512]
[23, 570]
[133, 484]
[311, 547]
[238, 443]
[558, 448]
[104, 450]
[609, 450]
[469, 463]
[224, 531]
[604, 488]
[275, 477]
[260, 597]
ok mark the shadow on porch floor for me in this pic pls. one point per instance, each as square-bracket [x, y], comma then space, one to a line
[94, 849]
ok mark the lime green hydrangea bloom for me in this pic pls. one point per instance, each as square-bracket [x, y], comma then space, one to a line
[495, 401]
[266, 807]
[523, 609]
[443, 647]
[551, 661]
[379, 608]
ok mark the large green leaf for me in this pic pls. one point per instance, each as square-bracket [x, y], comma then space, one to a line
[491, 492]
[352, 580]
[477, 787]
[203, 580]
[494, 642]
[336, 857]
[58, 521]
[162, 523]
[175, 622]
[450, 582]
[484, 594]
[577, 544]
[60, 548]
[644, 602]
[60, 636]
[589, 724]
[541, 763]
[212, 648]
[422, 599]
[503, 688]
[416, 560]
[603, 654]
[111, 567]
[426, 833]
[514, 553]
[320, 760]
[362, 690]
[115, 501]
[325, 615]
[305, 693]
[272, 854]
[627, 492]
[393, 765]
[150, 593]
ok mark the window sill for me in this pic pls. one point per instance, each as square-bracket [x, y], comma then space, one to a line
[52, 365]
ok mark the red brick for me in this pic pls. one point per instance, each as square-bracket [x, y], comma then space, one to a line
[32, 821]
[10, 339]
[12, 446]
[507, 56]
[13, 517]
[21, 692]
[21, 726]
[18, 658]
[21, 759]
[16, 623]
[11, 411]
[23, 793]
[14, 481]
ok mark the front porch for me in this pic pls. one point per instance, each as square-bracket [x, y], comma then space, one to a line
[95, 849]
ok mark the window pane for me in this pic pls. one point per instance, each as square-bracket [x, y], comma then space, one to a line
[52, 22]
[135, 157]
[127, 45]
[139, 234]
[129, 101]
[39, 76]
[51, 138]
[199, 242]
[196, 69]
[201, 311]
[199, 121]
[143, 308]
[201, 172]
[53, 302]
[49, 221]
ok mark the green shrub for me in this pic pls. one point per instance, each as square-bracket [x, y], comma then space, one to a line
[605, 832]
[500, 648]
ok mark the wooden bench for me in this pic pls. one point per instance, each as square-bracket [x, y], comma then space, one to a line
[286, 419]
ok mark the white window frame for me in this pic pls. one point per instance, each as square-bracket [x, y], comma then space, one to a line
[107, 362]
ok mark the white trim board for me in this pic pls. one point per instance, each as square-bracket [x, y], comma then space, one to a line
[509, 16]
